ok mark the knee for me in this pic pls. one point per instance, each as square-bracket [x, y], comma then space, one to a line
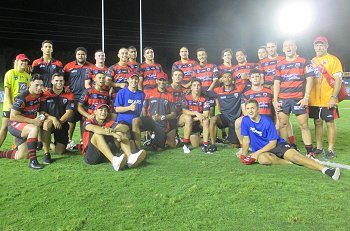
[213, 121]
[318, 123]
[304, 125]
[136, 124]
[47, 125]
[265, 160]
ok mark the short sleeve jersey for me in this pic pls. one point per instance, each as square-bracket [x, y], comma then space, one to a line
[46, 69]
[206, 74]
[149, 73]
[239, 70]
[92, 72]
[200, 104]
[268, 66]
[28, 105]
[91, 97]
[56, 105]
[178, 95]
[186, 68]
[264, 98]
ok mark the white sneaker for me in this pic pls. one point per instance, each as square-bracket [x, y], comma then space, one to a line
[119, 162]
[186, 149]
[239, 152]
[336, 174]
[136, 158]
[71, 145]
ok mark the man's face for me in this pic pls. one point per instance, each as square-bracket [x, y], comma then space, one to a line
[255, 79]
[262, 53]
[23, 63]
[162, 83]
[271, 49]
[251, 110]
[47, 48]
[80, 56]
[227, 57]
[123, 55]
[320, 48]
[226, 79]
[57, 82]
[202, 56]
[149, 55]
[35, 87]
[100, 57]
[289, 48]
[132, 53]
[133, 82]
[196, 87]
[241, 57]
[184, 53]
[177, 76]
[100, 79]
[101, 113]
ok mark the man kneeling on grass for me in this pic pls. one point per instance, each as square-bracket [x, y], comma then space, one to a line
[260, 133]
[101, 137]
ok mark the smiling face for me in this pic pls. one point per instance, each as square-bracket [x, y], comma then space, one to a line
[36, 86]
[184, 53]
[320, 49]
[227, 57]
[262, 53]
[100, 79]
[149, 54]
[57, 82]
[123, 55]
[101, 113]
[133, 82]
[202, 56]
[241, 57]
[271, 49]
[252, 110]
[290, 49]
[177, 77]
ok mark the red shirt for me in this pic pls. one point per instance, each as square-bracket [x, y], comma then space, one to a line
[239, 70]
[268, 66]
[264, 98]
[186, 68]
[149, 73]
[206, 74]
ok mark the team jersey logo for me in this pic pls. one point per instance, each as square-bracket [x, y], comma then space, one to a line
[65, 100]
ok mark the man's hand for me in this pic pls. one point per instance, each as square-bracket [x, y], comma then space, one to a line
[277, 106]
[156, 117]
[303, 103]
[332, 102]
[37, 122]
[132, 107]
[56, 123]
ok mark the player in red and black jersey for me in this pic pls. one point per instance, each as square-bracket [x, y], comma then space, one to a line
[262, 53]
[46, 66]
[230, 98]
[149, 70]
[186, 66]
[195, 117]
[292, 86]
[75, 73]
[57, 105]
[24, 124]
[158, 110]
[99, 66]
[241, 70]
[226, 55]
[101, 139]
[135, 66]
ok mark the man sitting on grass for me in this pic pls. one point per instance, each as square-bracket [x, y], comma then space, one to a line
[101, 137]
[260, 133]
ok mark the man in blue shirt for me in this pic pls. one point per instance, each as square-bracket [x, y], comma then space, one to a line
[260, 133]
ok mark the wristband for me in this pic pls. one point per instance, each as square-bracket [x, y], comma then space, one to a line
[334, 96]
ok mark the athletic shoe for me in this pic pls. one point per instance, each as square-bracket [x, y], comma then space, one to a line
[204, 148]
[135, 159]
[178, 139]
[220, 141]
[295, 147]
[71, 145]
[34, 164]
[330, 154]
[334, 173]
[239, 152]
[247, 160]
[311, 155]
[119, 162]
[39, 146]
[47, 158]
[186, 149]
[212, 148]
[318, 151]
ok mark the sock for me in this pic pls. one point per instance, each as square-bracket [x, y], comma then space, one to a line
[186, 141]
[308, 148]
[11, 154]
[291, 140]
[328, 172]
[31, 145]
[324, 170]
[205, 143]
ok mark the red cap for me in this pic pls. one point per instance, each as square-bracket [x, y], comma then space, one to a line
[131, 74]
[101, 105]
[162, 75]
[247, 159]
[321, 39]
[22, 57]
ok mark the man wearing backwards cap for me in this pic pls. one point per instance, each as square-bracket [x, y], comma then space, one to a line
[323, 97]
[158, 110]
[101, 134]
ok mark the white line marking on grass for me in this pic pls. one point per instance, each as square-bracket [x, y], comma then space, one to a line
[334, 165]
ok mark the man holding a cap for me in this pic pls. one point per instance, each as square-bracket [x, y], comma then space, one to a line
[100, 137]
[323, 97]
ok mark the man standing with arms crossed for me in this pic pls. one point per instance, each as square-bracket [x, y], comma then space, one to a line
[323, 97]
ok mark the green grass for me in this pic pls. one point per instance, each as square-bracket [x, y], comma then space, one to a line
[173, 191]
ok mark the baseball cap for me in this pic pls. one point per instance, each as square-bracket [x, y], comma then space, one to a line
[162, 75]
[101, 105]
[22, 57]
[131, 74]
[321, 39]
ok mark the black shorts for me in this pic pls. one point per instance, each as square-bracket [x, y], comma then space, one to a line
[76, 115]
[225, 122]
[94, 156]
[6, 114]
[290, 106]
[196, 127]
[281, 149]
[15, 129]
[61, 136]
[323, 113]
[148, 124]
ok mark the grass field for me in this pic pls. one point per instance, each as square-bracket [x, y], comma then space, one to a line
[173, 191]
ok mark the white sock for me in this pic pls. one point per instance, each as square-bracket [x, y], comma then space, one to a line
[324, 170]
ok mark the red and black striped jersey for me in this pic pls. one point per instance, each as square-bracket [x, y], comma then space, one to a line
[264, 98]
[200, 104]
[149, 73]
[28, 105]
[118, 73]
[135, 66]
[268, 66]
[46, 69]
[93, 70]
[292, 75]
[92, 97]
[87, 134]
[186, 68]
[75, 76]
[56, 105]
[223, 68]
[206, 74]
[239, 70]
[177, 95]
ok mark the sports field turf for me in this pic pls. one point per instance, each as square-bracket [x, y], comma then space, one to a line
[173, 191]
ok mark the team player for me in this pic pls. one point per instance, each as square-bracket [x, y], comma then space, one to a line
[24, 124]
[46, 66]
[75, 73]
[323, 97]
[57, 105]
[16, 81]
[229, 97]
[262, 53]
[186, 65]
[207, 73]
[260, 134]
[226, 55]
[149, 70]
[241, 70]
[158, 110]
[292, 86]
[195, 117]
[101, 136]
[100, 58]
[132, 59]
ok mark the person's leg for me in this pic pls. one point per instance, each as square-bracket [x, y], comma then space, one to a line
[332, 134]
[71, 130]
[269, 158]
[319, 133]
[4, 129]
[295, 157]
[186, 122]
[46, 135]
[136, 124]
[290, 133]
[283, 121]
[212, 128]
[170, 138]
[238, 123]
[305, 132]
[195, 140]
[100, 143]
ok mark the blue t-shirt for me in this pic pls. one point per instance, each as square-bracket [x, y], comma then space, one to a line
[260, 133]
[126, 97]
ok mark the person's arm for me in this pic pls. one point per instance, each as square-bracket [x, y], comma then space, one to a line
[87, 83]
[337, 85]
[243, 109]
[245, 145]
[276, 91]
[121, 109]
[82, 111]
[304, 102]
[17, 116]
[272, 144]
[7, 97]
[66, 116]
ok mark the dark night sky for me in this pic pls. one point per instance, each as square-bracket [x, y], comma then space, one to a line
[168, 25]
